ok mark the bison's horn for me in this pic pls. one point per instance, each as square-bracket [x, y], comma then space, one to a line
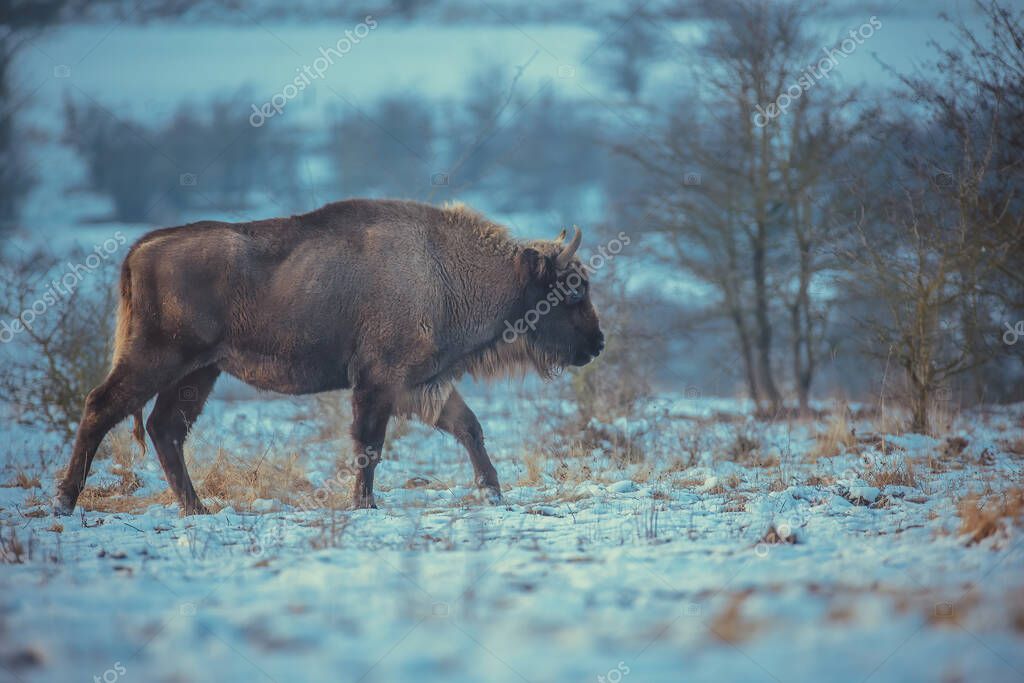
[569, 250]
[561, 236]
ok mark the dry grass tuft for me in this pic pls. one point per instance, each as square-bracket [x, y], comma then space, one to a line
[333, 413]
[836, 438]
[897, 472]
[820, 480]
[775, 537]
[887, 422]
[12, 549]
[1016, 603]
[534, 462]
[232, 480]
[622, 448]
[1013, 447]
[729, 625]
[950, 613]
[744, 446]
[223, 480]
[117, 496]
[953, 447]
[979, 520]
[23, 481]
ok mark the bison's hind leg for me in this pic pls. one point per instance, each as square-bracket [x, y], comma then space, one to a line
[174, 413]
[124, 392]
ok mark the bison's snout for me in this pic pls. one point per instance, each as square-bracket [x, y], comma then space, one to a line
[592, 350]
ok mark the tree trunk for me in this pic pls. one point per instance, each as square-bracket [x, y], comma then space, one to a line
[766, 378]
[803, 333]
[802, 361]
[748, 357]
[919, 407]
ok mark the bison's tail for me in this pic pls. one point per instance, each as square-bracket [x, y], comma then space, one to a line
[139, 432]
[124, 315]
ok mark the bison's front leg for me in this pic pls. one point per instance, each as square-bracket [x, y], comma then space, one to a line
[371, 410]
[458, 420]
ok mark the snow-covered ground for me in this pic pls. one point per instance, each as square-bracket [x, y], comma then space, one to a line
[660, 570]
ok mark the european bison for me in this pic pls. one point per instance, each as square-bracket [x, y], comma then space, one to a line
[393, 299]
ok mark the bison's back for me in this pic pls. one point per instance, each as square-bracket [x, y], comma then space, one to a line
[293, 304]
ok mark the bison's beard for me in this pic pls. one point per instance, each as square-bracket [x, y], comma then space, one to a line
[516, 358]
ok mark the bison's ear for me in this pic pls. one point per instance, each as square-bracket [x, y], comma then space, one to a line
[534, 267]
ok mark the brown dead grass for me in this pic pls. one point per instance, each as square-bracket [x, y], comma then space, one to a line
[744, 447]
[232, 480]
[23, 480]
[837, 437]
[980, 519]
[116, 496]
[729, 625]
[1013, 446]
[534, 462]
[949, 456]
[886, 421]
[840, 613]
[774, 537]
[954, 447]
[1015, 601]
[899, 472]
[224, 480]
[622, 449]
[950, 613]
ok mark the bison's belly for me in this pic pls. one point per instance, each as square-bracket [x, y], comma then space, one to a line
[299, 374]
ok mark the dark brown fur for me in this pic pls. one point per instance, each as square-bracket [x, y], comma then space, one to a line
[395, 300]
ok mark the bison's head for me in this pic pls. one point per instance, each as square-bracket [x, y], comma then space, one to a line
[558, 322]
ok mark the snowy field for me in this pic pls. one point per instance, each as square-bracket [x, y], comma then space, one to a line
[729, 550]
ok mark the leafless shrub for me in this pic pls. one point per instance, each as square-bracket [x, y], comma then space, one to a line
[616, 384]
[980, 519]
[50, 364]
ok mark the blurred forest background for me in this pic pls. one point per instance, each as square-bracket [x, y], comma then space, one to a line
[866, 244]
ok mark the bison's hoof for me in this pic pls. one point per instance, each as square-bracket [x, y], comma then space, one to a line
[491, 494]
[63, 506]
[366, 503]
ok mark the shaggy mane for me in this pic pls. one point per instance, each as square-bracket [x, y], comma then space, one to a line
[497, 359]
[494, 237]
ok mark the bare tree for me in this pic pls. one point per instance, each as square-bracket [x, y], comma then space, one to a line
[816, 138]
[628, 41]
[742, 202]
[941, 232]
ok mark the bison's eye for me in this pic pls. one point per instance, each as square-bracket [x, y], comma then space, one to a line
[574, 295]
